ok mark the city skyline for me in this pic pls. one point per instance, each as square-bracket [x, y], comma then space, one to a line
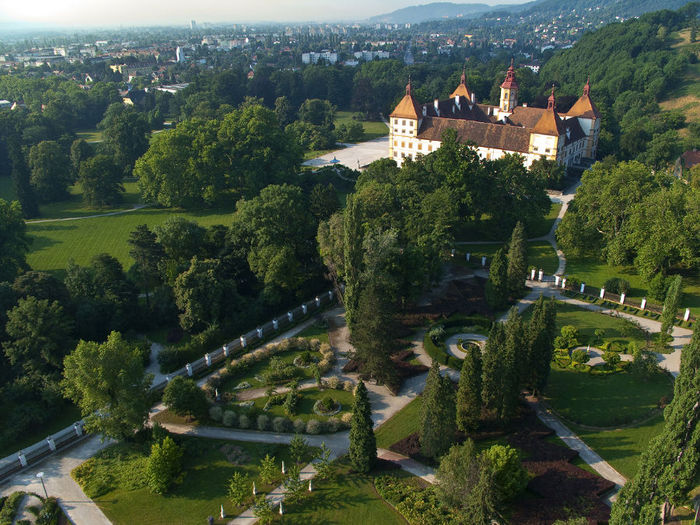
[100, 13]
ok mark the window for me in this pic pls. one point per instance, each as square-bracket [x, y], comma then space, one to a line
[396, 154]
[410, 123]
[403, 131]
[403, 122]
[430, 147]
[403, 144]
[420, 146]
[395, 143]
[410, 145]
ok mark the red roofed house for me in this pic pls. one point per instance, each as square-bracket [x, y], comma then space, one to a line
[569, 138]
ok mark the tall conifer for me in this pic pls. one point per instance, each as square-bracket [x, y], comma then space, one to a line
[497, 285]
[363, 444]
[469, 392]
[514, 344]
[491, 391]
[517, 260]
[438, 415]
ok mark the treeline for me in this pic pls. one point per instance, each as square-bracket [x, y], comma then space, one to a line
[386, 245]
[632, 66]
[626, 214]
[206, 282]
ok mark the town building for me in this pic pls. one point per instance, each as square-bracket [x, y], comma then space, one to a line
[570, 138]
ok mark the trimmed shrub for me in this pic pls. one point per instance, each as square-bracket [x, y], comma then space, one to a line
[346, 417]
[229, 418]
[658, 286]
[216, 413]
[263, 422]
[314, 426]
[617, 285]
[333, 424]
[299, 426]
[437, 334]
[281, 424]
[243, 421]
[333, 382]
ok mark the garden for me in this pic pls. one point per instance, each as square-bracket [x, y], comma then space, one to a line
[118, 479]
[540, 254]
[36, 510]
[440, 331]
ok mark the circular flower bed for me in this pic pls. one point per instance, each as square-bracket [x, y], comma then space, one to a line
[468, 345]
[327, 407]
[304, 360]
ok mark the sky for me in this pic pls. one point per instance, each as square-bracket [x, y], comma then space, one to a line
[81, 13]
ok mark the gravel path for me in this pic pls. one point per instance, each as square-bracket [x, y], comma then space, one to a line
[120, 212]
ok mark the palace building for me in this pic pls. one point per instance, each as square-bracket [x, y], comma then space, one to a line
[570, 138]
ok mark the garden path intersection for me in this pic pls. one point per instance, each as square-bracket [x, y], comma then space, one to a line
[82, 510]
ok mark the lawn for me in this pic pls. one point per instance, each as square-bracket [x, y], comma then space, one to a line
[345, 497]
[306, 404]
[208, 465]
[317, 330]
[53, 243]
[90, 135]
[539, 254]
[486, 230]
[75, 207]
[256, 369]
[623, 447]
[373, 128]
[402, 424]
[594, 272]
[587, 322]
[605, 400]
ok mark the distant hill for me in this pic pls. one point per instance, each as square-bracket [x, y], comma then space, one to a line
[446, 10]
[434, 11]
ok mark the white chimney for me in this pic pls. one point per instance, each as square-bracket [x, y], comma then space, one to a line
[458, 102]
[436, 103]
[524, 104]
[473, 99]
[425, 111]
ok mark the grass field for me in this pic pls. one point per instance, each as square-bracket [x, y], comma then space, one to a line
[90, 135]
[402, 424]
[539, 254]
[315, 331]
[623, 447]
[345, 497]
[53, 243]
[75, 207]
[485, 230]
[595, 273]
[206, 472]
[686, 95]
[605, 400]
[373, 128]
[587, 322]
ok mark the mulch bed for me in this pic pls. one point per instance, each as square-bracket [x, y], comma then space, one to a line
[557, 490]
[465, 296]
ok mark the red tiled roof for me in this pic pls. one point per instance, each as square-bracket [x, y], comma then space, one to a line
[484, 134]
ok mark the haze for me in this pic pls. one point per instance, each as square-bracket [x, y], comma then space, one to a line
[75, 13]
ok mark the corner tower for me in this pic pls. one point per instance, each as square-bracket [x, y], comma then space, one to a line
[404, 122]
[509, 91]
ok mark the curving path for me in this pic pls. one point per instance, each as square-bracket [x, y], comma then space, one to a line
[120, 212]
[452, 343]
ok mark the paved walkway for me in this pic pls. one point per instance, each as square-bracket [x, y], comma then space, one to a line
[120, 212]
[354, 156]
[77, 506]
[452, 343]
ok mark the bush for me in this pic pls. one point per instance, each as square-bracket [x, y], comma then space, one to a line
[216, 413]
[299, 426]
[9, 509]
[281, 424]
[185, 398]
[333, 382]
[612, 359]
[658, 286]
[170, 358]
[164, 467]
[617, 285]
[327, 403]
[243, 421]
[348, 386]
[314, 426]
[230, 418]
[437, 334]
[346, 418]
[263, 422]
[580, 356]
[333, 425]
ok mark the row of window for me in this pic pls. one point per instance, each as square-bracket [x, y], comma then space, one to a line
[419, 146]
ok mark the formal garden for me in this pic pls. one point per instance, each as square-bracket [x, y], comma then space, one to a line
[24, 508]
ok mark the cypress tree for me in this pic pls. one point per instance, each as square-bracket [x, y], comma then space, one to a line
[438, 415]
[671, 304]
[668, 467]
[363, 444]
[469, 391]
[491, 392]
[497, 285]
[352, 248]
[517, 260]
[514, 340]
[540, 334]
